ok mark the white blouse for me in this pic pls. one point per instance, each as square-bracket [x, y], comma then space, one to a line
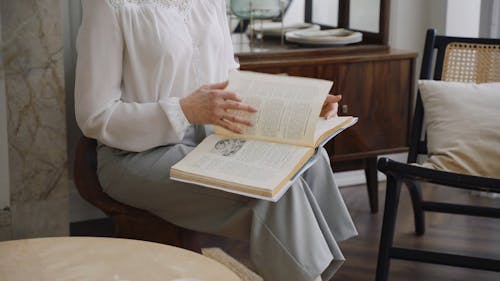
[137, 58]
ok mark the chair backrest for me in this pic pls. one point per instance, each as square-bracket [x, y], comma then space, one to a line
[459, 59]
[87, 182]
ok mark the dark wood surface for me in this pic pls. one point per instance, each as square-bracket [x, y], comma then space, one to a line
[379, 93]
[372, 183]
[464, 234]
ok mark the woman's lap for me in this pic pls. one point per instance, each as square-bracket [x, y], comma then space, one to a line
[143, 180]
[276, 231]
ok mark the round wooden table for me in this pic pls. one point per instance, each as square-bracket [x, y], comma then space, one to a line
[110, 259]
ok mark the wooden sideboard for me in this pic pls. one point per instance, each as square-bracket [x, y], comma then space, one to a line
[376, 83]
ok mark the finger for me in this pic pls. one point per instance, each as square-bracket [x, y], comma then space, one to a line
[228, 96]
[332, 99]
[218, 86]
[333, 112]
[326, 109]
[237, 119]
[229, 126]
[238, 106]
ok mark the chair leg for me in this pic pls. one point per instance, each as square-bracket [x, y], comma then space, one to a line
[388, 228]
[372, 183]
[418, 212]
[190, 240]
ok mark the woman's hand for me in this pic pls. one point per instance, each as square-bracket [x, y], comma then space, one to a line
[210, 104]
[330, 106]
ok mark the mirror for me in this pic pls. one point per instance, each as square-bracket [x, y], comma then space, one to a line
[364, 15]
[371, 17]
[326, 12]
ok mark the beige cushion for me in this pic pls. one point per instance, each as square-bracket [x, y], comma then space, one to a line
[463, 127]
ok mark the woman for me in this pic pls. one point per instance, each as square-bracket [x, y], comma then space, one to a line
[148, 80]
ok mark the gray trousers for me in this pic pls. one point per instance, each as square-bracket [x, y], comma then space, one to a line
[294, 239]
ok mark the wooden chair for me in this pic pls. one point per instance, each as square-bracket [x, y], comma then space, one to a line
[129, 222]
[399, 173]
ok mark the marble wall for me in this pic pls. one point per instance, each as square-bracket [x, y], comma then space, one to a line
[5, 222]
[5, 225]
[34, 86]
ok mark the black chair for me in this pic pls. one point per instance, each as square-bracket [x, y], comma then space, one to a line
[402, 173]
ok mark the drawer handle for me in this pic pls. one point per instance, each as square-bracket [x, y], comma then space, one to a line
[345, 109]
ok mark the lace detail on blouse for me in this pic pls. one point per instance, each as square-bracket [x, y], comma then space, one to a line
[182, 5]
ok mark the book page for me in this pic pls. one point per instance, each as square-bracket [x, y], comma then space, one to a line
[245, 165]
[288, 107]
[328, 128]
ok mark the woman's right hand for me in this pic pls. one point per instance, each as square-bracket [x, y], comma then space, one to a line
[210, 104]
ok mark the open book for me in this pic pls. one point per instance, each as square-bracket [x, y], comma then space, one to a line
[264, 161]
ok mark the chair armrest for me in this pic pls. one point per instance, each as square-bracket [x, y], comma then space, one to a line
[405, 171]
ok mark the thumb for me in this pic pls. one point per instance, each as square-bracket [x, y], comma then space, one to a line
[218, 86]
[333, 99]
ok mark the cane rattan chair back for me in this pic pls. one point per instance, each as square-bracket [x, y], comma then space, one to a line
[471, 63]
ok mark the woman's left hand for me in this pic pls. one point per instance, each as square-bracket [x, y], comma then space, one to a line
[330, 106]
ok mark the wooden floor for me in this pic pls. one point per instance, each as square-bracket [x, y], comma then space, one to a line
[457, 234]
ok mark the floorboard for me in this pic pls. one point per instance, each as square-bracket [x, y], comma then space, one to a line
[452, 233]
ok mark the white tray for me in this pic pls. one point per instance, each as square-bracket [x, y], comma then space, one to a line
[274, 28]
[337, 36]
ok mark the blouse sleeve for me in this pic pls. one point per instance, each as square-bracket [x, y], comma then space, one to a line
[100, 111]
[228, 44]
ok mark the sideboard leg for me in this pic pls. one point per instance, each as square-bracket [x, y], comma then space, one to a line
[372, 182]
